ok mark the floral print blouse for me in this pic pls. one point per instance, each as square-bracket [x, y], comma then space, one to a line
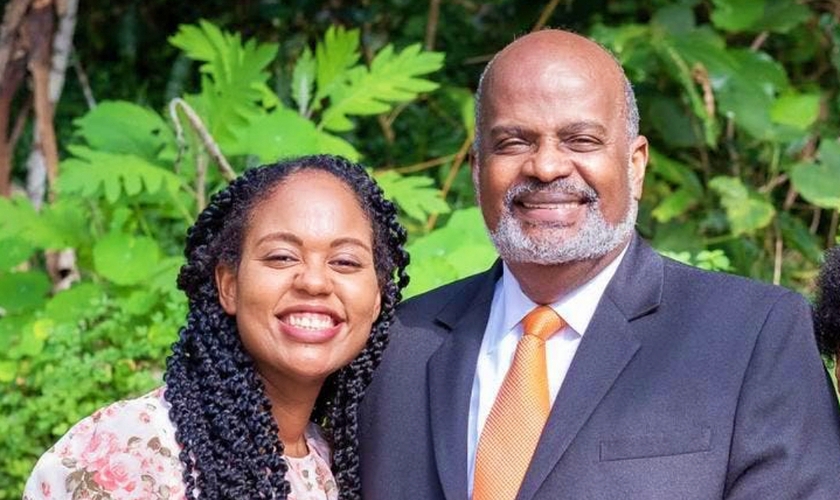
[128, 451]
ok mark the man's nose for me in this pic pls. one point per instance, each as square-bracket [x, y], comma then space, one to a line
[314, 279]
[549, 162]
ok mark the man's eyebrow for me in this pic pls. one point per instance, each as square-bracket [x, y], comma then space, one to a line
[583, 126]
[506, 130]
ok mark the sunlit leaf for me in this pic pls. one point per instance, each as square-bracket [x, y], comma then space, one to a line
[458, 249]
[125, 128]
[337, 53]
[797, 110]
[24, 291]
[392, 78]
[283, 133]
[819, 183]
[91, 172]
[125, 259]
[745, 210]
[737, 15]
[303, 81]
[416, 195]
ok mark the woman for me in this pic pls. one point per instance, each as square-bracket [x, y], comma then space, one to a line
[827, 310]
[292, 275]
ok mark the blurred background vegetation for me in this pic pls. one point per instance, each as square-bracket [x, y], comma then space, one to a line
[160, 102]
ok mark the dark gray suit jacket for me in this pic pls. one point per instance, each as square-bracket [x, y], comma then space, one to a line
[686, 385]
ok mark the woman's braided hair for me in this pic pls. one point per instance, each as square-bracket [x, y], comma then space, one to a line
[222, 416]
[827, 311]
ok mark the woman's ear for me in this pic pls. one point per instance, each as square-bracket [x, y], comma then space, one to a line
[226, 285]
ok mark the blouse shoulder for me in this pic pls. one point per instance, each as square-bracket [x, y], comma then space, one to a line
[126, 450]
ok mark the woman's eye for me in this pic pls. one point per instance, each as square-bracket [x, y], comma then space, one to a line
[346, 263]
[280, 258]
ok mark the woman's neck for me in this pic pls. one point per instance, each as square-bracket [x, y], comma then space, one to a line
[291, 407]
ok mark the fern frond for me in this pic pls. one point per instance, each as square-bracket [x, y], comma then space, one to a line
[392, 78]
[416, 195]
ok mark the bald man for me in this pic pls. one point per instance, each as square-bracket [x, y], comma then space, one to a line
[663, 381]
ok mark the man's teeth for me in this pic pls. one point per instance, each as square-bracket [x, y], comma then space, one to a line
[310, 321]
[548, 206]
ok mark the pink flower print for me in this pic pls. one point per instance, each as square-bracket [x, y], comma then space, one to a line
[100, 447]
[145, 417]
[121, 475]
[46, 490]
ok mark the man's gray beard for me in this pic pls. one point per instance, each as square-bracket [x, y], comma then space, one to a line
[595, 238]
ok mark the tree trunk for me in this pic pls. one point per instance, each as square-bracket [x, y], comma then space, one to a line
[13, 48]
[36, 165]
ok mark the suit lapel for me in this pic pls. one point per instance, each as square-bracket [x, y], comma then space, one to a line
[607, 346]
[451, 370]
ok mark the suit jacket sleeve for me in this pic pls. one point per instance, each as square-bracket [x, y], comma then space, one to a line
[786, 432]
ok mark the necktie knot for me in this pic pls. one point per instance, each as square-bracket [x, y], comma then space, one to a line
[542, 322]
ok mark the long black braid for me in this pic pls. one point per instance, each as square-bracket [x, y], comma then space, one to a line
[223, 420]
[827, 311]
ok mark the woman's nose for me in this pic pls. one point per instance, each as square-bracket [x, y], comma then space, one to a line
[314, 279]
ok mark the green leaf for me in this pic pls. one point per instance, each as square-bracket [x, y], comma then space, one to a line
[463, 98]
[303, 81]
[782, 17]
[25, 291]
[125, 259]
[674, 205]
[392, 78]
[59, 225]
[125, 128]
[92, 172]
[416, 195]
[73, 304]
[14, 251]
[745, 210]
[797, 235]
[8, 370]
[284, 133]
[819, 183]
[797, 110]
[737, 15]
[457, 250]
[235, 76]
[676, 173]
[337, 53]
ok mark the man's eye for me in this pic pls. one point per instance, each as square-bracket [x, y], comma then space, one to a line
[513, 144]
[583, 143]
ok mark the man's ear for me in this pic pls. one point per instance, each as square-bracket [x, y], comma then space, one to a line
[638, 164]
[472, 157]
[226, 285]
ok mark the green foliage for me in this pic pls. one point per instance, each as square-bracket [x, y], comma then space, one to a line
[124, 206]
[738, 98]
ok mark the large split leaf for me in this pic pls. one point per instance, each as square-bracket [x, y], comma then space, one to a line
[283, 133]
[235, 76]
[335, 55]
[90, 172]
[125, 128]
[416, 195]
[393, 77]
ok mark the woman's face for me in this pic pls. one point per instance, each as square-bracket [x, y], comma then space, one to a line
[305, 294]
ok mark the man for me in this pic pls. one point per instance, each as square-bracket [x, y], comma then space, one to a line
[663, 381]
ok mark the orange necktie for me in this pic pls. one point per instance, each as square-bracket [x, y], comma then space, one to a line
[518, 415]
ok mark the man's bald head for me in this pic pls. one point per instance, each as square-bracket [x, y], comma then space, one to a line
[552, 46]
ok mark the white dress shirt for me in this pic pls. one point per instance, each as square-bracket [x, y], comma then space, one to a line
[504, 329]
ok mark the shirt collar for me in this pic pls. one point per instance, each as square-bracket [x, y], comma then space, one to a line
[577, 307]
